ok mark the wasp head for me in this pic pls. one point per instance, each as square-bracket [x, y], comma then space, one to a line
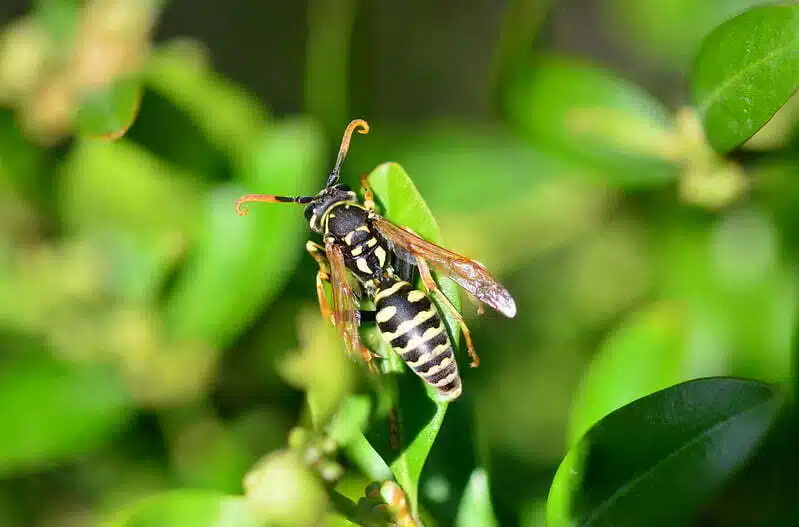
[317, 209]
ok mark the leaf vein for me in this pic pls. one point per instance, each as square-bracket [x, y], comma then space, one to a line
[717, 92]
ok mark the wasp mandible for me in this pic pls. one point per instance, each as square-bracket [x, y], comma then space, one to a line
[382, 258]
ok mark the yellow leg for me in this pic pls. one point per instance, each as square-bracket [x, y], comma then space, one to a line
[324, 306]
[317, 252]
[368, 195]
[432, 288]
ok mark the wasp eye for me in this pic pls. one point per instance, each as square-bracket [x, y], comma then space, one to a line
[309, 211]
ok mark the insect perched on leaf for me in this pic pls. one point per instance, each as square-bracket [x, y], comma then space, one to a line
[364, 254]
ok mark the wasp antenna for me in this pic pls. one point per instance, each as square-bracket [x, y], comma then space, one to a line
[357, 124]
[242, 210]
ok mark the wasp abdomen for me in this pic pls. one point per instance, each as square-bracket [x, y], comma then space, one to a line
[410, 323]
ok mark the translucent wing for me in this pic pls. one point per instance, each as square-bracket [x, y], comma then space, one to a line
[467, 273]
[345, 308]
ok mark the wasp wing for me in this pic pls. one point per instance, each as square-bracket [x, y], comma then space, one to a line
[467, 273]
[345, 309]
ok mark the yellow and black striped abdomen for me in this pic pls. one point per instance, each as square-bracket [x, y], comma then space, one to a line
[410, 323]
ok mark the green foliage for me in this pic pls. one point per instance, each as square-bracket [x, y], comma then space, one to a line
[669, 33]
[187, 508]
[205, 305]
[54, 412]
[745, 71]
[688, 438]
[476, 509]
[419, 419]
[164, 358]
[108, 111]
[590, 115]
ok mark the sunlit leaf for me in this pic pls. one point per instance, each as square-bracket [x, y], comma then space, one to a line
[656, 460]
[53, 411]
[187, 508]
[590, 115]
[734, 287]
[746, 69]
[241, 263]
[402, 204]
[59, 19]
[228, 115]
[668, 34]
[455, 163]
[651, 344]
[118, 185]
[476, 509]
[108, 111]
[419, 417]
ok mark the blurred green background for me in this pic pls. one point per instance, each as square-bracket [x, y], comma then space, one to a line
[149, 335]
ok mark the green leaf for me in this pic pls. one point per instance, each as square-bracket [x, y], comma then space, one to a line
[118, 185]
[736, 291]
[476, 509]
[454, 162]
[588, 114]
[656, 460]
[242, 263]
[187, 508]
[108, 111]
[419, 416]
[54, 411]
[652, 344]
[746, 69]
[401, 203]
[59, 19]
[230, 117]
[668, 34]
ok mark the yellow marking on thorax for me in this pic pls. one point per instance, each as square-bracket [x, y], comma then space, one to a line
[348, 237]
[383, 293]
[363, 228]
[381, 256]
[386, 314]
[408, 325]
[363, 265]
[357, 251]
[371, 242]
[416, 295]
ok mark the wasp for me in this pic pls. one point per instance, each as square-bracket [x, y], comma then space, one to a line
[365, 255]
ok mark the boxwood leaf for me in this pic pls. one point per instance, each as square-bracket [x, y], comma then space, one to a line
[607, 384]
[107, 111]
[55, 411]
[240, 264]
[657, 460]
[746, 69]
[187, 508]
[589, 115]
[419, 416]
[476, 509]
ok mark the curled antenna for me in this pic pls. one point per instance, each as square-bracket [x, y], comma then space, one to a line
[242, 210]
[357, 124]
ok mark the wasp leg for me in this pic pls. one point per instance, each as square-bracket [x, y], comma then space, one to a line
[368, 195]
[317, 252]
[432, 288]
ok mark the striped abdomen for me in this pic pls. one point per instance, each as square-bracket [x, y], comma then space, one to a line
[410, 323]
